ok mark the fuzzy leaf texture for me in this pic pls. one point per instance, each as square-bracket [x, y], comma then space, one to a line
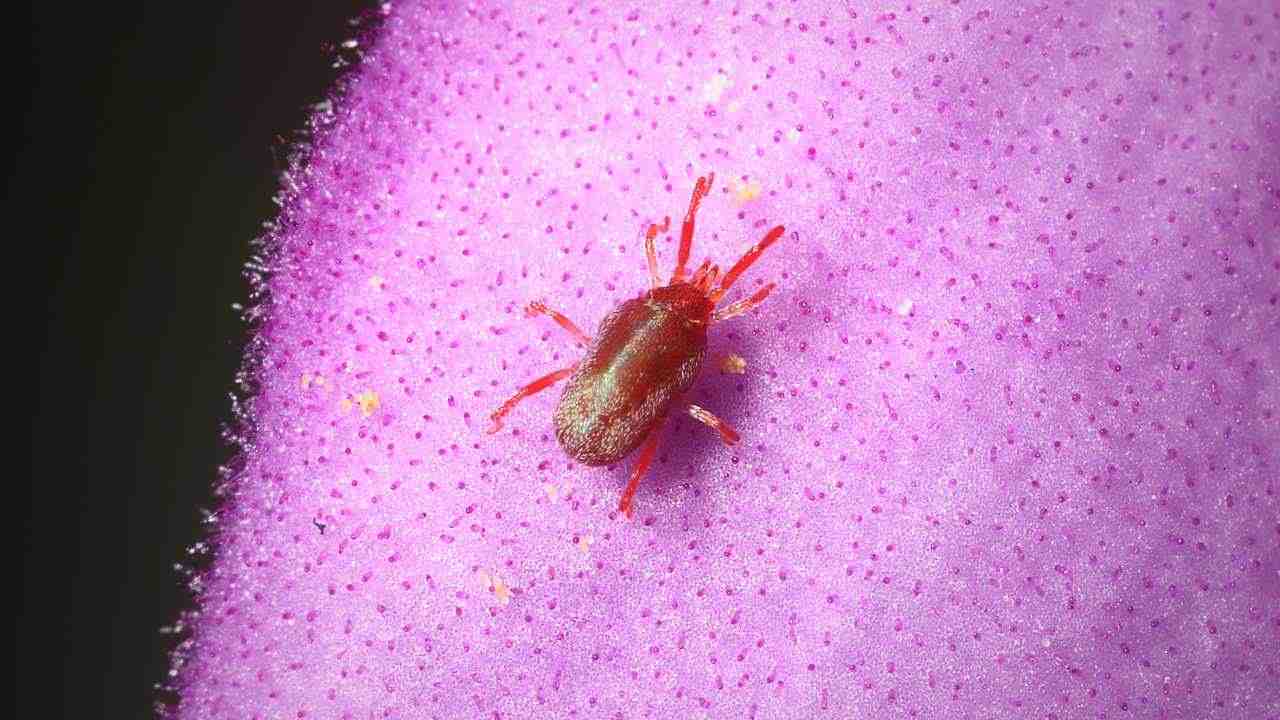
[1010, 421]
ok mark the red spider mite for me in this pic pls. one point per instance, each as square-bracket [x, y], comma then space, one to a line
[645, 355]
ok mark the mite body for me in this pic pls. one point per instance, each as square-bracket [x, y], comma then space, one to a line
[645, 355]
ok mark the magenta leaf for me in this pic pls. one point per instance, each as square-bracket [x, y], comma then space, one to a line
[1010, 419]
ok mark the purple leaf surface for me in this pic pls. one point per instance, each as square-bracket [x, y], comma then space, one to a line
[1011, 419]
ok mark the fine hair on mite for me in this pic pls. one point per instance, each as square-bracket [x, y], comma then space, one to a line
[644, 356]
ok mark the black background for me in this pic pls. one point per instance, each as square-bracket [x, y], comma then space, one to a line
[152, 140]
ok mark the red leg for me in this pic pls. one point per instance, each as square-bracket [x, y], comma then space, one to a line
[743, 306]
[532, 388]
[745, 262]
[637, 472]
[704, 416]
[539, 308]
[651, 254]
[709, 279]
[700, 274]
[700, 191]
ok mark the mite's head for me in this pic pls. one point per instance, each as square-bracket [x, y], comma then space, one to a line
[695, 297]
[689, 301]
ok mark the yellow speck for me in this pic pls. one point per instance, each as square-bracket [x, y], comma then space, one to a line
[584, 543]
[376, 283]
[745, 192]
[552, 491]
[494, 584]
[345, 405]
[734, 106]
[306, 380]
[714, 88]
[793, 135]
[501, 591]
[319, 380]
[904, 307]
[734, 364]
[369, 402]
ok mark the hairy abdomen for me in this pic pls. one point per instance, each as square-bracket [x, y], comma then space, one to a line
[645, 355]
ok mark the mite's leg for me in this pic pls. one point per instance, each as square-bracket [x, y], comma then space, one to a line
[745, 262]
[651, 254]
[532, 388]
[704, 416]
[700, 275]
[637, 472]
[700, 190]
[743, 306]
[709, 279]
[539, 308]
